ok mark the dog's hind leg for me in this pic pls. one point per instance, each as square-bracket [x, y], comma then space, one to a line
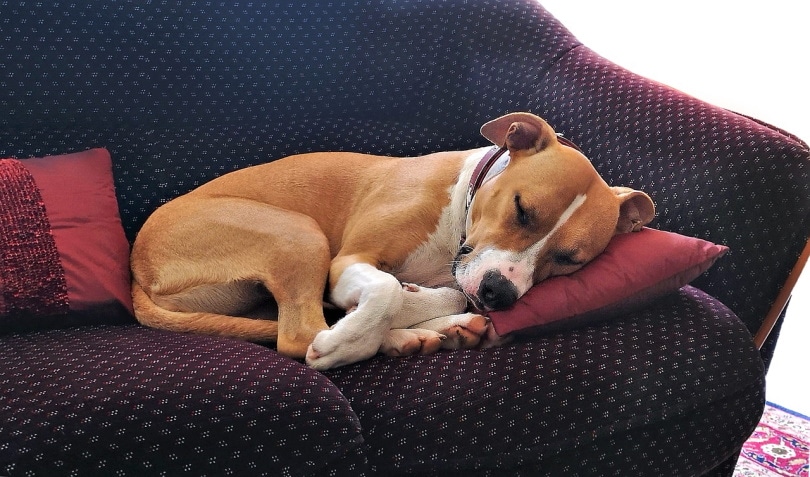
[298, 285]
[151, 314]
[212, 256]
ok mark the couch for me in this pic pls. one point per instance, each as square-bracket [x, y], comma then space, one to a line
[173, 94]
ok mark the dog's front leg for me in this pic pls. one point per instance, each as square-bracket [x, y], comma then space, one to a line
[372, 298]
[441, 310]
[464, 331]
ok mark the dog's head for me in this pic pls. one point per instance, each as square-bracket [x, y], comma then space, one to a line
[547, 213]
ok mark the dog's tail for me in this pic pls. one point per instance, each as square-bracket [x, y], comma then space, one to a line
[150, 314]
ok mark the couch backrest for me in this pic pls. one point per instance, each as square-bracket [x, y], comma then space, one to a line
[181, 92]
[184, 92]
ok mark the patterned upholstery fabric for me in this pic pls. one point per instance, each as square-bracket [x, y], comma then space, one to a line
[135, 401]
[599, 388]
[586, 402]
[183, 92]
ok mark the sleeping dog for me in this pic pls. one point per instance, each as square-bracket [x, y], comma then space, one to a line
[401, 244]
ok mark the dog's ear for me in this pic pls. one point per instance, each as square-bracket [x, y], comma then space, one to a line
[636, 209]
[519, 132]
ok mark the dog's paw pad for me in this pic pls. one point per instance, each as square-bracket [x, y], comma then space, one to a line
[312, 355]
[467, 334]
[492, 339]
[400, 342]
[432, 344]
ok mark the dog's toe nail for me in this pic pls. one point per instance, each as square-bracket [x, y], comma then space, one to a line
[410, 287]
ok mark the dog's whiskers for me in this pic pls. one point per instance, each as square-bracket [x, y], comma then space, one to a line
[454, 264]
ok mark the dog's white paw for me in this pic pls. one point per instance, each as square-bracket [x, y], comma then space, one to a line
[399, 342]
[463, 331]
[422, 303]
[333, 348]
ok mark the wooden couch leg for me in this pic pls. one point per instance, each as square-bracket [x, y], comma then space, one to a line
[782, 298]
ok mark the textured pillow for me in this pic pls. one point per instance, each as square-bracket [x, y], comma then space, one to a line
[64, 259]
[634, 269]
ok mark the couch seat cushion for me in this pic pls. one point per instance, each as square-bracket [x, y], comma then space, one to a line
[134, 401]
[590, 401]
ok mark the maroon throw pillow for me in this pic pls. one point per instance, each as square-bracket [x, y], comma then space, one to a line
[634, 269]
[64, 258]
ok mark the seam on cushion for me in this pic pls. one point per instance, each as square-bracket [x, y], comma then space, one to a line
[553, 63]
[759, 385]
[357, 444]
[668, 413]
[787, 134]
[653, 418]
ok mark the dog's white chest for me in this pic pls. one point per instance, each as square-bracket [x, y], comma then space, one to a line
[431, 263]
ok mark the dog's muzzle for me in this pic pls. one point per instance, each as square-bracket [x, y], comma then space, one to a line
[496, 292]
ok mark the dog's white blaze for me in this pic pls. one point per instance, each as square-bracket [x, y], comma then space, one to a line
[517, 267]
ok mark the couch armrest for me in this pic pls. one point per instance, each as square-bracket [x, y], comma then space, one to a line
[712, 173]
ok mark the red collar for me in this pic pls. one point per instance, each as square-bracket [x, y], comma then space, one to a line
[480, 173]
[477, 179]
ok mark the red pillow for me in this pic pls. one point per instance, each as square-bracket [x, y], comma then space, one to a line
[634, 269]
[64, 258]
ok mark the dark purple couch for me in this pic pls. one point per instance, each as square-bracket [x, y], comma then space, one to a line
[181, 92]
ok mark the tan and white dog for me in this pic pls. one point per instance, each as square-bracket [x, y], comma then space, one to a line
[399, 243]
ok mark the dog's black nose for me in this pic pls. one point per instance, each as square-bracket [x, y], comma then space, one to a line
[496, 292]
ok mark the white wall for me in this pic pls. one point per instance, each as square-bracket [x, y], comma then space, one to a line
[750, 57]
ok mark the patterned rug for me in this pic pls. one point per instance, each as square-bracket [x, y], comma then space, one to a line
[778, 447]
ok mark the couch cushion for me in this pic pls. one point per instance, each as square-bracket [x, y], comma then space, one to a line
[521, 405]
[62, 233]
[129, 400]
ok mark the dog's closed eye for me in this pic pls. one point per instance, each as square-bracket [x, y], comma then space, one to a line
[523, 215]
[566, 258]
